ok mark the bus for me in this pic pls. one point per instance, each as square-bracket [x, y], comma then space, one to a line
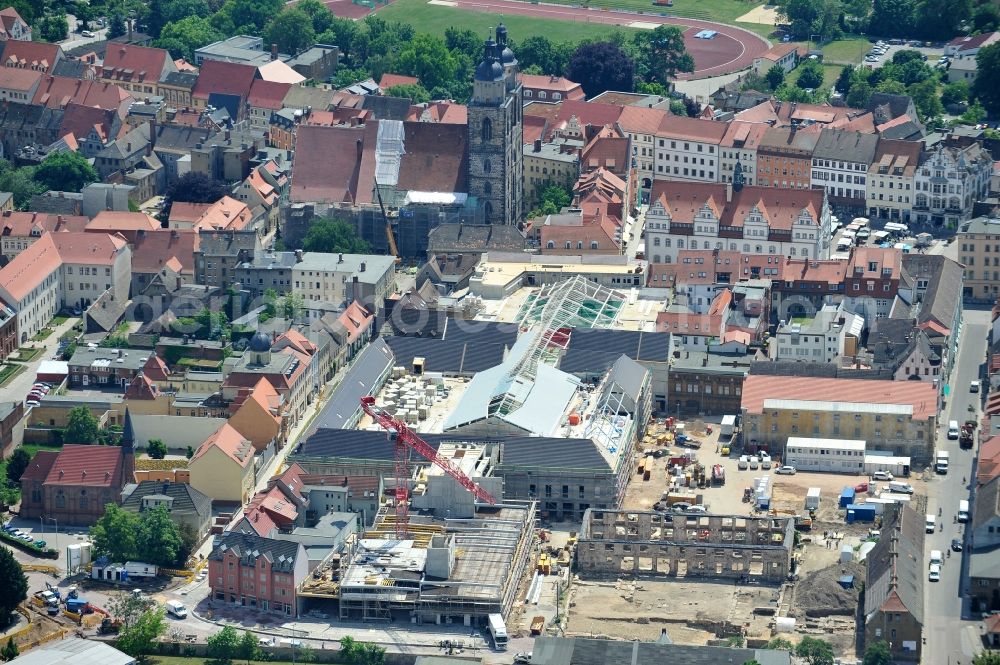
[498, 631]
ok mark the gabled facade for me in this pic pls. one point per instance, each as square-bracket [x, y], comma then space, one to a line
[258, 573]
[950, 179]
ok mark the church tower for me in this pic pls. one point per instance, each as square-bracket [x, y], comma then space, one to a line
[496, 136]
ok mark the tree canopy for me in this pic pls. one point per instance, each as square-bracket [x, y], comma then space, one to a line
[415, 92]
[196, 187]
[815, 651]
[182, 38]
[428, 58]
[662, 53]
[65, 171]
[150, 536]
[330, 235]
[139, 638]
[601, 66]
[81, 426]
[878, 653]
[987, 84]
[17, 464]
[14, 585]
[292, 30]
[224, 645]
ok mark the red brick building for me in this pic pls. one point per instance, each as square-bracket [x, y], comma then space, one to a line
[72, 486]
[258, 573]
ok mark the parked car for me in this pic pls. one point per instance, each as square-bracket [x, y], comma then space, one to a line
[974, 386]
[786, 470]
[956, 544]
[31, 402]
[743, 463]
[88, 34]
[935, 573]
[882, 475]
[753, 464]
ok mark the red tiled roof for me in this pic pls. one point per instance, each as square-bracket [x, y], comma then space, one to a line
[30, 268]
[224, 77]
[31, 55]
[921, 395]
[355, 320]
[779, 51]
[136, 63]
[155, 368]
[692, 129]
[141, 387]
[88, 248]
[559, 84]
[780, 207]
[388, 80]
[14, 223]
[965, 42]
[14, 78]
[59, 91]
[268, 94]
[230, 442]
[989, 460]
[152, 251]
[79, 120]
[641, 119]
[96, 466]
[111, 221]
[40, 465]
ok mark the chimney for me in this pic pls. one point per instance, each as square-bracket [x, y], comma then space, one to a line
[274, 51]
[298, 256]
[128, 146]
[340, 258]
[538, 145]
[130, 31]
[361, 147]
[362, 266]
[228, 135]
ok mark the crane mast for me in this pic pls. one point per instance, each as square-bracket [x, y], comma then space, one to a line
[405, 440]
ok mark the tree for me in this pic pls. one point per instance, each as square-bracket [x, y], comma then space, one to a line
[195, 187]
[54, 27]
[987, 658]
[342, 32]
[926, 99]
[815, 651]
[775, 77]
[327, 234]
[662, 53]
[189, 453]
[415, 92]
[251, 15]
[116, 25]
[13, 583]
[539, 51]
[117, 534]
[81, 426]
[752, 661]
[891, 18]
[554, 199]
[21, 183]
[17, 464]
[986, 87]
[10, 650]
[810, 75]
[955, 93]
[860, 95]
[292, 306]
[974, 115]
[66, 172]
[292, 30]
[878, 654]
[182, 38]
[466, 41]
[941, 19]
[156, 448]
[780, 644]
[601, 66]
[427, 58]
[156, 20]
[844, 80]
[986, 18]
[321, 17]
[159, 537]
[813, 17]
[139, 638]
[224, 645]
[249, 647]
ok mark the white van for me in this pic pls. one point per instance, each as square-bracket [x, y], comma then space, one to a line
[176, 608]
[936, 557]
[934, 574]
[930, 523]
[952, 429]
[900, 487]
[963, 511]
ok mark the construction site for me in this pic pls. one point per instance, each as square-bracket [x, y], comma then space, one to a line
[448, 571]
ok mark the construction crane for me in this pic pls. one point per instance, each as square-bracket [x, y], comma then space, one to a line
[406, 440]
[389, 235]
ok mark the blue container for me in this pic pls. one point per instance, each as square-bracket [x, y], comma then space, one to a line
[860, 512]
[847, 497]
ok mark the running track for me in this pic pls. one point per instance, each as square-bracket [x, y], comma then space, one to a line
[731, 50]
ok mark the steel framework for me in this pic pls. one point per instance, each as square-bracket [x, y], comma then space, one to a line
[406, 440]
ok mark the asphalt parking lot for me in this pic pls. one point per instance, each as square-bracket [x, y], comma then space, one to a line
[932, 53]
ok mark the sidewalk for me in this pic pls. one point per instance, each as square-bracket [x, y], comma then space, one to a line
[19, 386]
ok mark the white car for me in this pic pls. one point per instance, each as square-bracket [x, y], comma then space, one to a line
[882, 475]
[934, 575]
[974, 386]
[786, 470]
[88, 34]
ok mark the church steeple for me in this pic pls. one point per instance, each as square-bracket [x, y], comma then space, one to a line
[128, 449]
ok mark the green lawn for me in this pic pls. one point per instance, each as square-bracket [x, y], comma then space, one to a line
[28, 353]
[8, 372]
[830, 75]
[846, 51]
[434, 19]
[33, 448]
[43, 335]
[58, 320]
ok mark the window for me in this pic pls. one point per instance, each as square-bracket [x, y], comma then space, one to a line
[486, 130]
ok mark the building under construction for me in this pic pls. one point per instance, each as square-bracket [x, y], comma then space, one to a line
[449, 570]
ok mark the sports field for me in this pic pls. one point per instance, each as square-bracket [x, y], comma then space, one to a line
[434, 18]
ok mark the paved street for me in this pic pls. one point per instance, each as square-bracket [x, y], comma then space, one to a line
[21, 383]
[948, 636]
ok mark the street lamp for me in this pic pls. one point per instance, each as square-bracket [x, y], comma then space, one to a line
[56, 522]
